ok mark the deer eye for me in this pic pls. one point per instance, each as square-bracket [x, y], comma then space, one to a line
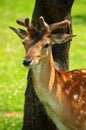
[46, 45]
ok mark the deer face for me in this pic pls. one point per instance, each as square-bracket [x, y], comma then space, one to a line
[37, 43]
[36, 50]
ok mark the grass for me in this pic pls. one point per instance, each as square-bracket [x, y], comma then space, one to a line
[12, 73]
[78, 45]
[10, 123]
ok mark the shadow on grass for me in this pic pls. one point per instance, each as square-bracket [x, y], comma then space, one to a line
[80, 18]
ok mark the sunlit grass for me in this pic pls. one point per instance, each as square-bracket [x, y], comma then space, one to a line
[10, 123]
[78, 45]
[13, 76]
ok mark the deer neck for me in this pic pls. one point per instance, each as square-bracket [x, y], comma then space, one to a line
[44, 73]
[45, 79]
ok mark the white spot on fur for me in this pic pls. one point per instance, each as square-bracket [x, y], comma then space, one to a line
[84, 71]
[81, 111]
[75, 96]
[67, 91]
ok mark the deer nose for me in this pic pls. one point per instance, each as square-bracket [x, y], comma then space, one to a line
[26, 62]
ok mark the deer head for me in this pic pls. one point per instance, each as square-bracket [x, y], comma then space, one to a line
[37, 42]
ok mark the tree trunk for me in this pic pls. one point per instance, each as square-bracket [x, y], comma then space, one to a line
[35, 116]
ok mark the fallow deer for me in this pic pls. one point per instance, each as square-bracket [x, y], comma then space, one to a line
[62, 93]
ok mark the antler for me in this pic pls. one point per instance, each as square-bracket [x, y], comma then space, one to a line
[22, 22]
[59, 25]
[31, 29]
[45, 26]
[26, 24]
[20, 32]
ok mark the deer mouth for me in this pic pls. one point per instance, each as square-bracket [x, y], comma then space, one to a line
[27, 63]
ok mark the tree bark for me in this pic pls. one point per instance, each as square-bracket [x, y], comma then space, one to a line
[35, 116]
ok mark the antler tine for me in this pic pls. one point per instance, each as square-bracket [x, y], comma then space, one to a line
[44, 25]
[27, 22]
[20, 32]
[59, 25]
[22, 22]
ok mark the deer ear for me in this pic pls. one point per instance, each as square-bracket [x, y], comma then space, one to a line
[20, 32]
[60, 38]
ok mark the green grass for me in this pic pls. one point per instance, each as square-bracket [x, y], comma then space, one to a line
[12, 74]
[10, 123]
[78, 45]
